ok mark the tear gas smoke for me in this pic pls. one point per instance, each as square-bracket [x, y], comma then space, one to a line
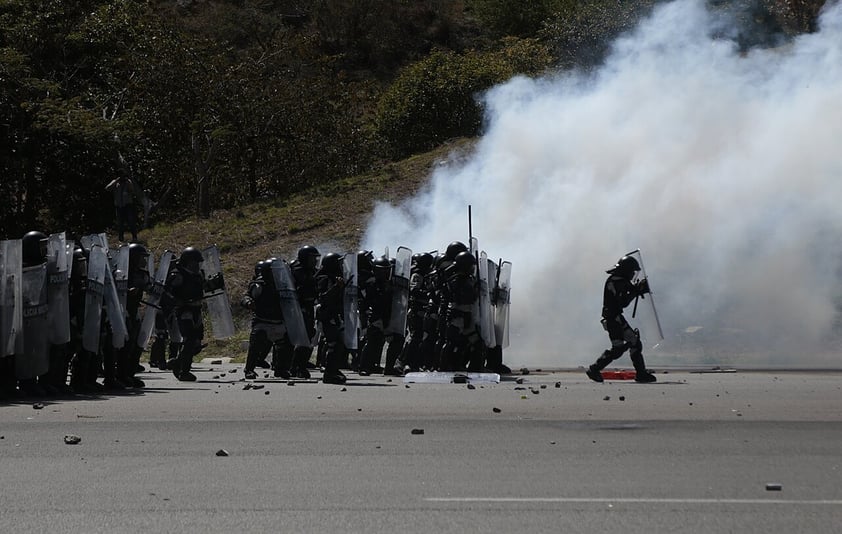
[723, 166]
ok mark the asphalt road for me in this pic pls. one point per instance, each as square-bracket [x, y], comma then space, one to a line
[695, 452]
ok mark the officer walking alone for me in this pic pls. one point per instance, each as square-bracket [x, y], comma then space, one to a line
[619, 292]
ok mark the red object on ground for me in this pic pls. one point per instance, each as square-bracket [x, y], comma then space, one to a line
[618, 375]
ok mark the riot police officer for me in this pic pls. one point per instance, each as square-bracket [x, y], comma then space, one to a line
[303, 270]
[330, 285]
[365, 277]
[377, 310]
[268, 332]
[33, 362]
[82, 377]
[247, 302]
[463, 347]
[166, 335]
[128, 359]
[183, 294]
[419, 298]
[619, 292]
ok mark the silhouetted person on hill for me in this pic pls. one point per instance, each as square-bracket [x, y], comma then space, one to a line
[125, 192]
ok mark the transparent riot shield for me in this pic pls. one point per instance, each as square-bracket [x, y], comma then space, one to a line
[97, 267]
[34, 360]
[651, 333]
[116, 317]
[89, 241]
[486, 320]
[351, 302]
[153, 298]
[218, 305]
[400, 291]
[290, 307]
[502, 301]
[11, 301]
[58, 292]
[120, 270]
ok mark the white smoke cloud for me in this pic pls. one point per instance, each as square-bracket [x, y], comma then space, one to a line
[722, 166]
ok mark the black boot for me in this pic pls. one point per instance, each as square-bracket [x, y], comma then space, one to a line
[594, 371]
[394, 366]
[29, 388]
[8, 384]
[60, 369]
[332, 374]
[642, 375]
[79, 372]
[184, 364]
[251, 361]
[281, 363]
[300, 359]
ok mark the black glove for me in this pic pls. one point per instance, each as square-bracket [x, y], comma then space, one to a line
[215, 282]
[643, 287]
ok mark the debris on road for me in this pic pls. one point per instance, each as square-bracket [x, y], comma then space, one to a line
[222, 452]
[70, 439]
[417, 431]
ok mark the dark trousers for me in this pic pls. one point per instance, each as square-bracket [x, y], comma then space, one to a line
[126, 220]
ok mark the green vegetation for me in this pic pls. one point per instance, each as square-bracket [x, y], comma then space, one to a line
[215, 105]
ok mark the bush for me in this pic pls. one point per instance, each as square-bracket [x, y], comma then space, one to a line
[522, 18]
[435, 99]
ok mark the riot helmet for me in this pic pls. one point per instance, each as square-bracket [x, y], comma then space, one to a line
[454, 249]
[465, 263]
[365, 261]
[308, 256]
[440, 262]
[265, 268]
[138, 256]
[423, 262]
[191, 259]
[34, 248]
[625, 267]
[382, 268]
[79, 269]
[332, 264]
[258, 268]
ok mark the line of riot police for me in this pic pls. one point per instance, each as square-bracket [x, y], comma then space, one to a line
[71, 313]
[74, 309]
[426, 311]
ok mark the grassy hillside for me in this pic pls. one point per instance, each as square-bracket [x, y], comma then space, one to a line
[332, 217]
